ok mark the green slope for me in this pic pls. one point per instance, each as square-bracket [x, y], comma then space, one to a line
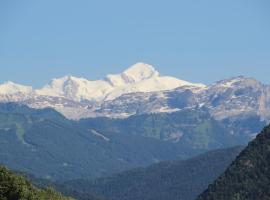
[248, 178]
[47, 145]
[14, 187]
[189, 128]
[182, 180]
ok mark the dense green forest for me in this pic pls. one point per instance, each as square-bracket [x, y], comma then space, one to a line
[15, 187]
[248, 177]
[182, 180]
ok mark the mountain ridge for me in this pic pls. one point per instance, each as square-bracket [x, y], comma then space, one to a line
[141, 89]
[46, 144]
[140, 77]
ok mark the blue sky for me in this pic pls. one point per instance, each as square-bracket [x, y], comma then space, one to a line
[196, 40]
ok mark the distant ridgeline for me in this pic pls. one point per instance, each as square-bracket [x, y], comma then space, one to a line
[140, 89]
[248, 177]
[181, 180]
[15, 187]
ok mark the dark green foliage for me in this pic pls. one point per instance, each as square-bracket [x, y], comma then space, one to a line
[45, 184]
[14, 187]
[248, 178]
[182, 180]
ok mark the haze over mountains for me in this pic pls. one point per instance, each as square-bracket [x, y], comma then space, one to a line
[141, 89]
[133, 119]
[182, 179]
[47, 145]
[146, 118]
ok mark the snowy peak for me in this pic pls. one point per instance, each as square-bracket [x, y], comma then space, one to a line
[134, 74]
[139, 77]
[13, 88]
[139, 72]
[56, 87]
[69, 87]
[141, 89]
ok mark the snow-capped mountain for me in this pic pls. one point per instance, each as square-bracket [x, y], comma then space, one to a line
[9, 87]
[141, 89]
[225, 99]
[138, 78]
[236, 96]
[10, 91]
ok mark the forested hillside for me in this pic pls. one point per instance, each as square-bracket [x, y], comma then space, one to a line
[248, 177]
[15, 187]
[182, 180]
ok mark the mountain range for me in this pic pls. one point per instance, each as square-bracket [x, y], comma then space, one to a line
[70, 93]
[46, 144]
[74, 128]
[141, 89]
[246, 177]
[137, 118]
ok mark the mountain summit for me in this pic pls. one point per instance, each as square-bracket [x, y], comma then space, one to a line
[139, 77]
[141, 89]
[140, 72]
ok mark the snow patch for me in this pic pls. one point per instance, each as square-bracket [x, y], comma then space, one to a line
[94, 132]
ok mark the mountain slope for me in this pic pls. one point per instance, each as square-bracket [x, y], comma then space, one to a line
[45, 144]
[189, 128]
[248, 177]
[14, 187]
[230, 98]
[182, 180]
